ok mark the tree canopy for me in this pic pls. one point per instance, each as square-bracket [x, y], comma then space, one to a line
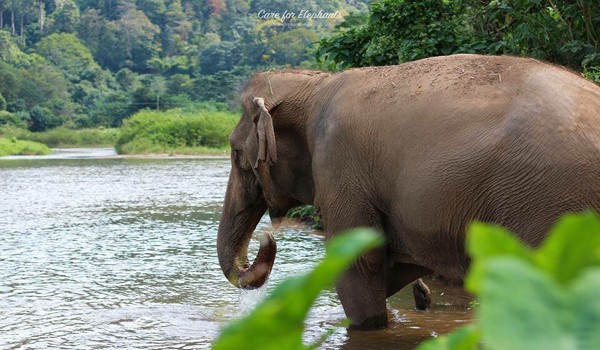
[84, 63]
[396, 31]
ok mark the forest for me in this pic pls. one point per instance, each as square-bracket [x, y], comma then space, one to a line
[79, 64]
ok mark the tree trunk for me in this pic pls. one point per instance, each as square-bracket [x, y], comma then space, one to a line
[1, 18]
[12, 20]
[21, 20]
[157, 101]
[42, 16]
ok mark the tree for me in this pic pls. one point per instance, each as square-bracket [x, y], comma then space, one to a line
[559, 31]
[66, 17]
[42, 119]
[399, 31]
[2, 103]
[292, 47]
[67, 53]
[220, 56]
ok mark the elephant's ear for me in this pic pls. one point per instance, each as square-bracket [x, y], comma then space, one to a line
[267, 149]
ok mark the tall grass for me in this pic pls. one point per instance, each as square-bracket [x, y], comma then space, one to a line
[63, 137]
[176, 131]
[12, 147]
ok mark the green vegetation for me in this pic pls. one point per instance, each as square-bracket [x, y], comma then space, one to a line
[396, 31]
[308, 215]
[85, 64]
[277, 323]
[13, 147]
[177, 132]
[63, 137]
[544, 298]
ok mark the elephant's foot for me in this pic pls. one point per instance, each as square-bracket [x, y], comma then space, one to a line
[372, 323]
[422, 295]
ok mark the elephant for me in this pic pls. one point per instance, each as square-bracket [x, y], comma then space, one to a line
[418, 151]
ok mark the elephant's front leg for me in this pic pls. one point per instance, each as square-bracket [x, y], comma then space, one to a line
[362, 291]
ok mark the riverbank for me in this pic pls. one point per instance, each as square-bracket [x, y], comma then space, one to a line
[105, 153]
[177, 132]
[65, 138]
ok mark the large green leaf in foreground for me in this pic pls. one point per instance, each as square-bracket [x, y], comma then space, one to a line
[547, 298]
[277, 323]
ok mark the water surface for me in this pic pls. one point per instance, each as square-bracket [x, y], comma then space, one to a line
[100, 253]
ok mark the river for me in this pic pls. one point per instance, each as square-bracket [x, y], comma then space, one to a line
[101, 252]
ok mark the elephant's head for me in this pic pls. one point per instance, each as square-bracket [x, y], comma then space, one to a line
[270, 169]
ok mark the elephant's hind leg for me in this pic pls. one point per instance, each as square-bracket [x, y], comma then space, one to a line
[422, 295]
[400, 275]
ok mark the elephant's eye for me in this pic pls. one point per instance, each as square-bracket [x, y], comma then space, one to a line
[239, 156]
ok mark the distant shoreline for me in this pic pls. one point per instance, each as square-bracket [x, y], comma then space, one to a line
[110, 153]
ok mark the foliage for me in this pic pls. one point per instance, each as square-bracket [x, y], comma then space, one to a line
[307, 214]
[13, 147]
[95, 63]
[2, 103]
[397, 31]
[164, 132]
[11, 119]
[42, 119]
[542, 298]
[277, 323]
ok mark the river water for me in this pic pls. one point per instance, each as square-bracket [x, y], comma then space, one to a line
[98, 252]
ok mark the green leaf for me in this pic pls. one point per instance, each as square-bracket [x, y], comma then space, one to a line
[485, 241]
[586, 305]
[572, 246]
[522, 307]
[277, 322]
[465, 338]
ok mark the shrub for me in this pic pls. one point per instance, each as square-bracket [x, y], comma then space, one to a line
[17, 147]
[162, 132]
[42, 119]
[10, 119]
[307, 214]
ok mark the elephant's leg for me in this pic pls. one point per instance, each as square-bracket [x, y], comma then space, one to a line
[400, 275]
[362, 293]
[422, 295]
[362, 288]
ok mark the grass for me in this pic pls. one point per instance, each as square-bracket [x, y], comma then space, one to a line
[63, 137]
[12, 147]
[177, 132]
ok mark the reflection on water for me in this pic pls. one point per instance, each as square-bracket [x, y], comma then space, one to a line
[120, 253]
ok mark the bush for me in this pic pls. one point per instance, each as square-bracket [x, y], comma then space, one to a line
[307, 214]
[17, 147]
[42, 119]
[166, 132]
[10, 119]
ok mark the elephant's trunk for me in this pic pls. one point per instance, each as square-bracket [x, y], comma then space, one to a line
[243, 208]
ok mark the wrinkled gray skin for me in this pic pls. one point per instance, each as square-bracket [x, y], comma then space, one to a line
[417, 150]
